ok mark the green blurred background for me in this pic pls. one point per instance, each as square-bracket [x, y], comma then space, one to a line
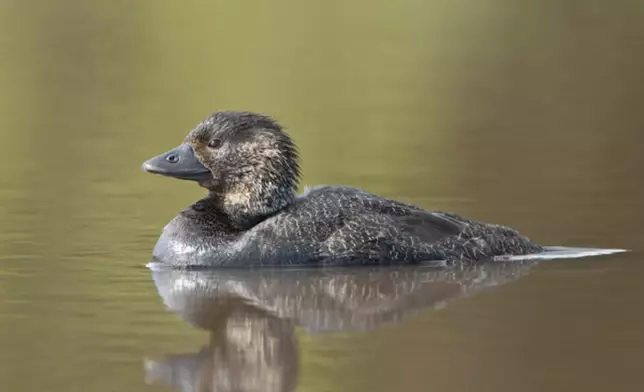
[522, 113]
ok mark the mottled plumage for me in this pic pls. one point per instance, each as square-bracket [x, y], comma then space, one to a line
[252, 215]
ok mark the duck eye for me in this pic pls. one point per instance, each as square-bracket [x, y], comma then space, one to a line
[214, 143]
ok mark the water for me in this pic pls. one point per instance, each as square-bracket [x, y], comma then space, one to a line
[525, 114]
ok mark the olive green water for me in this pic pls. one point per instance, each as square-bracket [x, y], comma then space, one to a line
[524, 113]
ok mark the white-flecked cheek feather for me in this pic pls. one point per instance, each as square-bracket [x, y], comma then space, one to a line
[239, 198]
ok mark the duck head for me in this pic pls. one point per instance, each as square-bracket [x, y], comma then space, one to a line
[246, 161]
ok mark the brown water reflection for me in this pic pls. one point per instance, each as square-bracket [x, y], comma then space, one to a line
[251, 315]
[521, 113]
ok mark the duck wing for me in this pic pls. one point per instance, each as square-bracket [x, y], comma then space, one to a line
[390, 234]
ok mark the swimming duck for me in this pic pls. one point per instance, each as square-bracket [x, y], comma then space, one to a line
[253, 216]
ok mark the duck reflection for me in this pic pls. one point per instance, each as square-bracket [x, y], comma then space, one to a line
[252, 315]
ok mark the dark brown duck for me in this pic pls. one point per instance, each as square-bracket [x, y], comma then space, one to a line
[252, 215]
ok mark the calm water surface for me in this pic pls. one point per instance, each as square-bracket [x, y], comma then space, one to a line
[526, 114]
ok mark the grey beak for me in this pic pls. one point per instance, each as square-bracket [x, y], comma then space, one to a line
[180, 162]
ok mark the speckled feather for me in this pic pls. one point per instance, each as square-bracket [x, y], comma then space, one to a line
[252, 215]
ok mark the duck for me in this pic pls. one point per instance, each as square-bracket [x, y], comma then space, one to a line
[253, 216]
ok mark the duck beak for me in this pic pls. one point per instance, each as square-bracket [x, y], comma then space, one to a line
[180, 162]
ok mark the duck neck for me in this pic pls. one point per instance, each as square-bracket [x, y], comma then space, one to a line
[246, 203]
